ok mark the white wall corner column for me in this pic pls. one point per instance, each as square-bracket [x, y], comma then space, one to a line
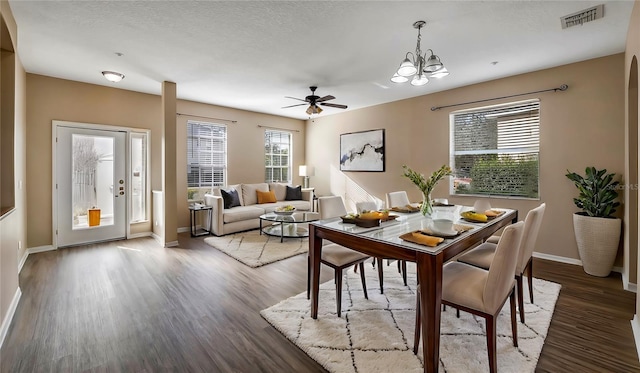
[169, 164]
[635, 325]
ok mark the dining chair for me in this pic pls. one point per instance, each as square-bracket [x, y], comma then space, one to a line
[397, 199]
[482, 255]
[336, 256]
[402, 265]
[483, 292]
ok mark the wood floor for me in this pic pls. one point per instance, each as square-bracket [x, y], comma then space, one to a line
[133, 306]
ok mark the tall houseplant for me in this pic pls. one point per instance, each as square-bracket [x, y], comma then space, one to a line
[597, 231]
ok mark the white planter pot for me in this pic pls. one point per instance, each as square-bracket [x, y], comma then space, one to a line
[598, 240]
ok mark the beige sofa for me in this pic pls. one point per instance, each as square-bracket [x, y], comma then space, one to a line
[246, 216]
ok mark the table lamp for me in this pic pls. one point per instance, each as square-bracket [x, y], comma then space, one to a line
[305, 172]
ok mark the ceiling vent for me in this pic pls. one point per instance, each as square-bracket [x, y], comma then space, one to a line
[583, 16]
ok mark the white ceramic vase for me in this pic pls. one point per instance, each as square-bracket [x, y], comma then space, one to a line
[598, 240]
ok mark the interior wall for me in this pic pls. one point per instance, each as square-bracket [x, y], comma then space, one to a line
[51, 98]
[631, 197]
[245, 145]
[583, 126]
[12, 225]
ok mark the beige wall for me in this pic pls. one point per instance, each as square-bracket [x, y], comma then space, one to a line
[51, 98]
[583, 126]
[12, 226]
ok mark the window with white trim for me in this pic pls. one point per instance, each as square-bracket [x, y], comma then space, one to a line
[277, 156]
[495, 150]
[139, 171]
[206, 154]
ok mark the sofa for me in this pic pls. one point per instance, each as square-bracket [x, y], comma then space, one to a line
[246, 215]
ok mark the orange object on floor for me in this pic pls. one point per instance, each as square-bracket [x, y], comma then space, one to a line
[94, 217]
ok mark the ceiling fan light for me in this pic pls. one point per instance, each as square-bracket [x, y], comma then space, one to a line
[113, 76]
[419, 80]
[399, 78]
[440, 73]
[433, 64]
[407, 68]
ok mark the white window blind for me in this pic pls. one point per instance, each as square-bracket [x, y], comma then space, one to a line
[277, 155]
[495, 150]
[206, 154]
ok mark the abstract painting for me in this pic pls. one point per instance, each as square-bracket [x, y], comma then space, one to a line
[362, 151]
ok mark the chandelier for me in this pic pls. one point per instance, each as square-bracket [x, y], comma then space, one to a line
[419, 65]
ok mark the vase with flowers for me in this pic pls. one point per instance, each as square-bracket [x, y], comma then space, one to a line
[426, 185]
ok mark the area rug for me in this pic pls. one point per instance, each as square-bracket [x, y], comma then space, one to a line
[255, 250]
[376, 335]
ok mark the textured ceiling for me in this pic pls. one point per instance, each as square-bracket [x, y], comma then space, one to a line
[251, 54]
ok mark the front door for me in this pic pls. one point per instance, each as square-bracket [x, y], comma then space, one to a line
[90, 185]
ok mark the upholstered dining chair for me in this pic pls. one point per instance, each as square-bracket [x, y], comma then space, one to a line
[482, 255]
[336, 256]
[402, 265]
[481, 292]
[397, 199]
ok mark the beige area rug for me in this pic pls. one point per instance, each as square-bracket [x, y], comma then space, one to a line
[256, 250]
[376, 335]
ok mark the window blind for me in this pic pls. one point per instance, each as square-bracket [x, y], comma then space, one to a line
[206, 154]
[495, 150]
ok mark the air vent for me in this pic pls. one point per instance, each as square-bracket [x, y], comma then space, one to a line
[583, 16]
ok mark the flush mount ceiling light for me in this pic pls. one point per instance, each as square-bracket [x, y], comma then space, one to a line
[419, 66]
[113, 76]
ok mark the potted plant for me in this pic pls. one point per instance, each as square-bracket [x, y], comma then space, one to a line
[597, 231]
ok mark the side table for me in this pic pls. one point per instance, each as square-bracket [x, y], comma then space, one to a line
[193, 222]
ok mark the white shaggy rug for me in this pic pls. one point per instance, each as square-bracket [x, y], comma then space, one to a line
[376, 335]
[256, 250]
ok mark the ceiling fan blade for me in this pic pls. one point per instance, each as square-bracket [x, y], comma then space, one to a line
[284, 107]
[334, 105]
[295, 98]
[325, 98]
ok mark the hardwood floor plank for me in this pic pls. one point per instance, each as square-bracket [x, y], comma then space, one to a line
[135, 306]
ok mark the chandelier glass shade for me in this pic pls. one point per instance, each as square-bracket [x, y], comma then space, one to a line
[418, 65]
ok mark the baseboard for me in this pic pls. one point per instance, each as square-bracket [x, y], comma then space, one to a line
[23, 260]
[40, 249]
[4, 328]
[157, 238]
[557, 258]
[184, 229]
[629, 286]
[635, 327]
[139, 235]
[171, 244]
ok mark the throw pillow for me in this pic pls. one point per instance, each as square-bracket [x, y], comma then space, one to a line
[266, 197]
[230, 198]
[294, 194]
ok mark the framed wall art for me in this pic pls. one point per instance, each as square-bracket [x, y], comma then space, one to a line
[362, 151]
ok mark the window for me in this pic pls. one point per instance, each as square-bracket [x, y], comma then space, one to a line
[139, 186]
[495, 150]
[277, 156]
[206, 154]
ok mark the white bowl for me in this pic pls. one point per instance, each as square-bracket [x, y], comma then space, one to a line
[443, 225]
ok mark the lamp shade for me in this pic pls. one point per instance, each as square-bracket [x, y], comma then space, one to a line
[305, 170]
[407, 68]
[433, 64]
[399, 78]
[419, 79]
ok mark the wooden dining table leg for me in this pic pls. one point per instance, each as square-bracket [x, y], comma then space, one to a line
[430, 279]
[315, 253]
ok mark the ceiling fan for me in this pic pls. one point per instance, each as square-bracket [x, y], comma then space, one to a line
[314, 100]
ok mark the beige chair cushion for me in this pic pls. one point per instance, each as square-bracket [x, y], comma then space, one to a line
[480, 256]
[240, 213]
[331, 207]
[397, 199]
[463, 284]
[493, 239]
[366, 206]
[503, 268]
[340, 256]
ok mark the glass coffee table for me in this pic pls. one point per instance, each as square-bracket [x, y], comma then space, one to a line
[288, 225]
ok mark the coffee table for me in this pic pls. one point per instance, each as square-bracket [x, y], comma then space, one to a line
[287, 225]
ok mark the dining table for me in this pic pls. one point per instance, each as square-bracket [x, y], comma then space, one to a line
[384, 241]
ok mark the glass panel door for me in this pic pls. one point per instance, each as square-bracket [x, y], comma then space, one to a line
[90, 185]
